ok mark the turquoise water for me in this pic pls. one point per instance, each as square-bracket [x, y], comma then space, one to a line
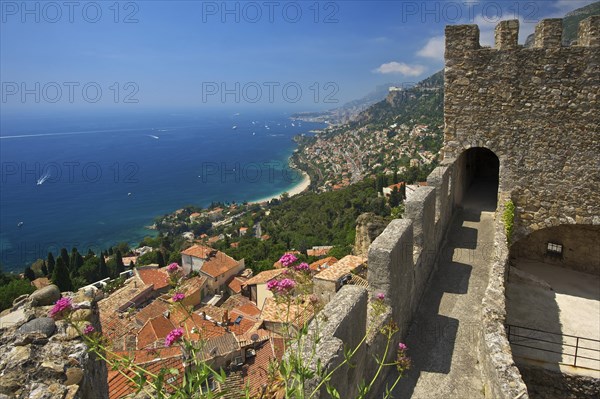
[102, 178]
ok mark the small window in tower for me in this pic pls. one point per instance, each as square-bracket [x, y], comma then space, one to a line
[554, 249]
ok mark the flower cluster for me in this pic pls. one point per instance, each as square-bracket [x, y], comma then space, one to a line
[178, 297]
[402, 360]
[302, 267]
[174, 336]
[381, 296]
[281, 286]
[89, 329]
[287, 259]
[173, 267]
[62, 305]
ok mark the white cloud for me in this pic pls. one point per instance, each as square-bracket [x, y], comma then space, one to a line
[400, 68]
[433, 49]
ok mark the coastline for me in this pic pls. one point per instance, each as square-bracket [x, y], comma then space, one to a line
[297, 189]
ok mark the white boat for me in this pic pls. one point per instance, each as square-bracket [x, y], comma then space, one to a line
[20, 224]
[234, 127]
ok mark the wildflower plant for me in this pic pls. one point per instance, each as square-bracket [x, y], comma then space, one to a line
[287, 378]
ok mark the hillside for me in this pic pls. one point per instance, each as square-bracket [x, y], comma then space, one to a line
[408, 124]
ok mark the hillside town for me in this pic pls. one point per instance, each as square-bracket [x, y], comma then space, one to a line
[220, 302]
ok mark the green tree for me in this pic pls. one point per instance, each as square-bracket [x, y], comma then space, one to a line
[119, 262]
[44, 268]
[395, 179]
[402, 192]
[50, 263]
[160, 259]
[12, 289]
[90, 270]
[64, 255]
[102, 268]
[61, 277]
[29, 274]
[395, 198]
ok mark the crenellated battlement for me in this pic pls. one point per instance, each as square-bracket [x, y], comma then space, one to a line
[461, 39]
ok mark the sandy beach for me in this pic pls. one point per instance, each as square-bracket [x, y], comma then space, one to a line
[297, 189]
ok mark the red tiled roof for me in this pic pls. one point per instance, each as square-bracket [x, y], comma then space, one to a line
[216, 262]
[299, 312]
[263, 277]
[346, 265]
[153, 276]
[120, 386]
[323, 263]
[154, 309]
[397, 185]
[199, 251]
[257, 374]
[249, 309]
[236, 284]
[154, 330]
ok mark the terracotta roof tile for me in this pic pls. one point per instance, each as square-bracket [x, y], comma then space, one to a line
[159, 278]
[154, 330]
[263, 277]
[346, 265]
[323, 263]
[297, 313]
[199, 251]
[236, 284]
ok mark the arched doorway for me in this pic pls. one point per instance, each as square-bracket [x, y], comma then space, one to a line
[476, 178]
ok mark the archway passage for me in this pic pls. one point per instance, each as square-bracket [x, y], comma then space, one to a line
[477, 179]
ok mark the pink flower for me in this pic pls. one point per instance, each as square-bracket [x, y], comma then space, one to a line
[60, 306]
[173, 336]
[287, 259]
[381, 296]
[402, 347]
[302, 267]
[173, 267]
[287, 284]
[89, 329]
[281, 286]
[178, 297]
[271, 285]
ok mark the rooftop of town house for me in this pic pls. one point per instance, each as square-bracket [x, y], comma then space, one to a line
[236, 284]
[263, 277]
[346, 265]
[152, 275]
[323, 263]
[297, 313]
[216, 262]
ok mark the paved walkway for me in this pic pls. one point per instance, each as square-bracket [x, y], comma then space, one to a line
[443, 337]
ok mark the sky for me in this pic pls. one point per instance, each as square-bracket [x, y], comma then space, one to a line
[292, 55]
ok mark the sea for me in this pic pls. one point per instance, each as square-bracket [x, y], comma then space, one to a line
[94, 180]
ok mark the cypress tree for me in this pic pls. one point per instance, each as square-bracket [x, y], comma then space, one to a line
[61, 277]
[395, 178]
[64, 255]
[119, 260]
[402, 192]
[103, 269]
[44, 268]
[160, 259]
[50, 263]
[29, 274]
[110, 251]
[395, 198]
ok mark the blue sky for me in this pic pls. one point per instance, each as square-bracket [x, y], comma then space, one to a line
[302, 55]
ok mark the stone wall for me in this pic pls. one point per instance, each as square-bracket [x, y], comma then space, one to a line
[548, 384]
[581, 251]
[401, 260]
[536, 109]
[41, 358]
[501, 377]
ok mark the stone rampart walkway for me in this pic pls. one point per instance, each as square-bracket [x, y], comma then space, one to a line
[443, 337]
